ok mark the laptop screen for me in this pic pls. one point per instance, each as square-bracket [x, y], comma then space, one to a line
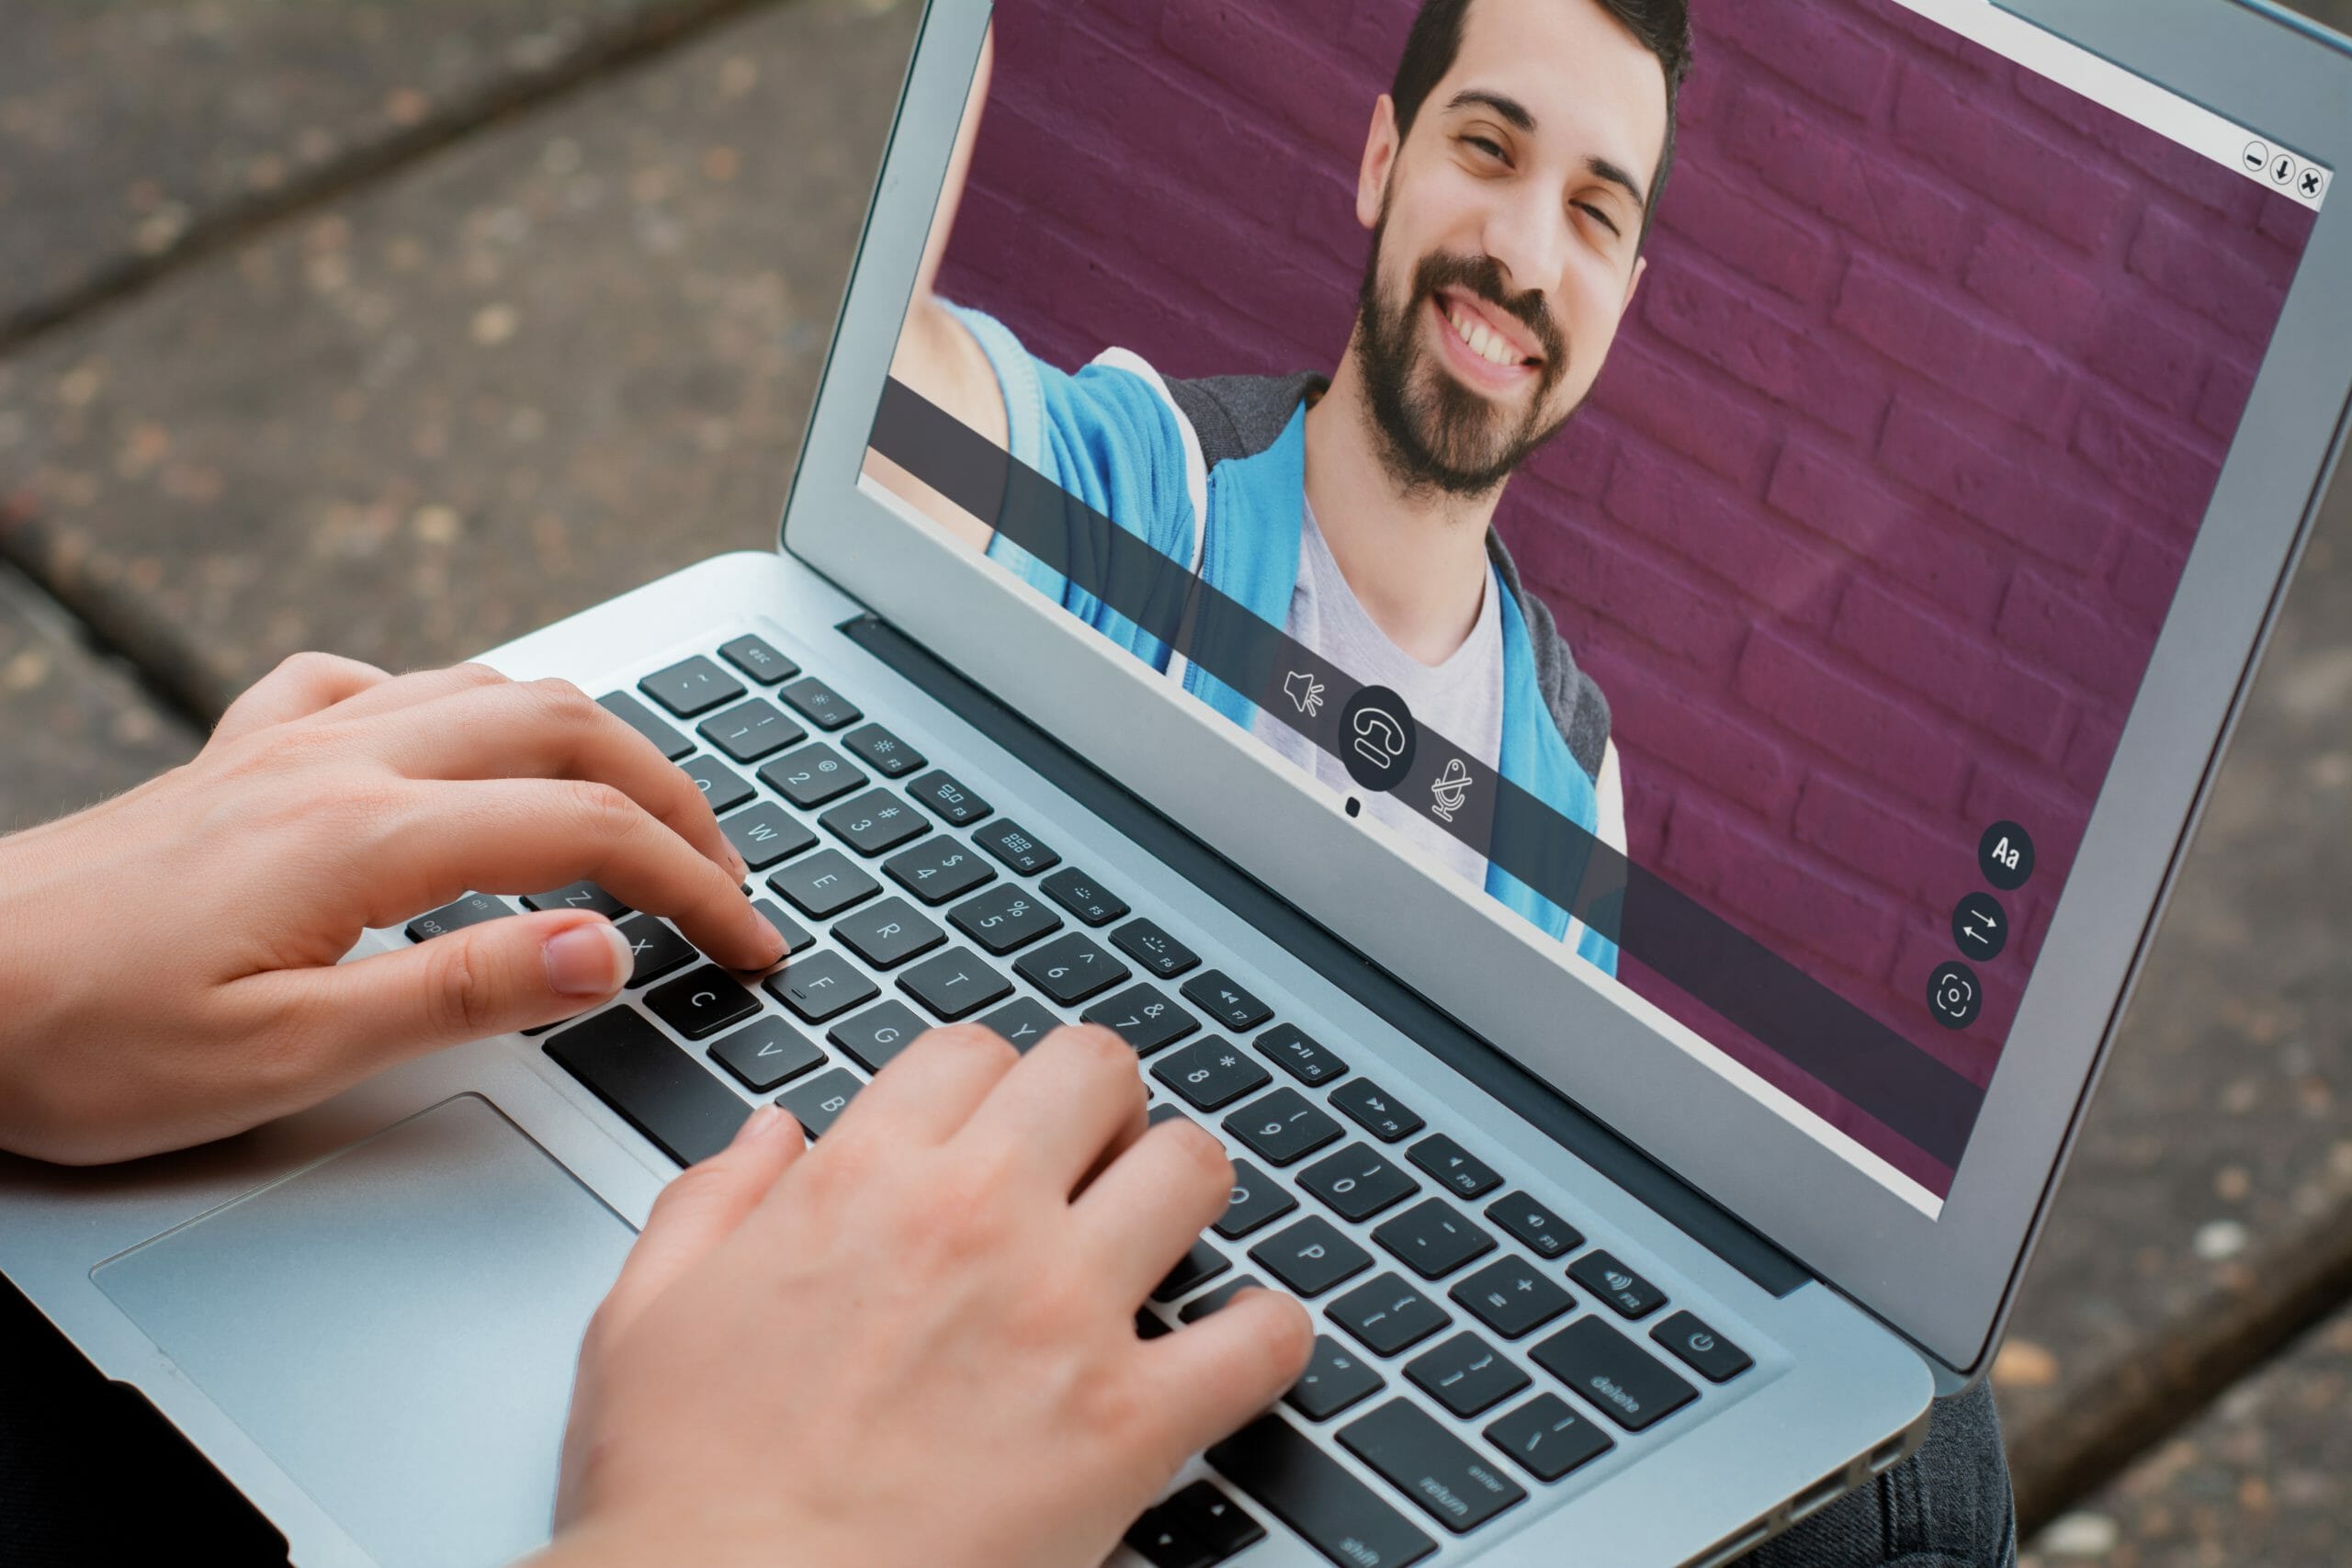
[1722, 518]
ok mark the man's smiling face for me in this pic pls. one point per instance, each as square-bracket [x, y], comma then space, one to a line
[1507, 230]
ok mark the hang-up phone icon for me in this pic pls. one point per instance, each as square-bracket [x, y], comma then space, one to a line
[1378, 732]
[1380, 739]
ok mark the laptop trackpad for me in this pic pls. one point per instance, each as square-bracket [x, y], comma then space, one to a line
[396, 1328]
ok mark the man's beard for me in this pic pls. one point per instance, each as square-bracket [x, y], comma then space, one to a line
[1436, 434]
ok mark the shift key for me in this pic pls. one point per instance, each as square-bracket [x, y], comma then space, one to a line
[1309, 1491]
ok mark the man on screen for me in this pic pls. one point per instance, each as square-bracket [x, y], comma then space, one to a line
[1507, 181]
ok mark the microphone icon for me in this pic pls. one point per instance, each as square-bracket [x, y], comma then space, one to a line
[1452, 789]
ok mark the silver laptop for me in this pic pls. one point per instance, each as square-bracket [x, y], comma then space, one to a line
[1649, 1043]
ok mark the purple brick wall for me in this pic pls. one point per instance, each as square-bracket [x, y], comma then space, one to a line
[1876, 512]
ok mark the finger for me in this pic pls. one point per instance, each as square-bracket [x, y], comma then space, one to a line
[301, 686]
[1063, 1105]
[1210, 1377]
[417, 687]
[699, 1209]
[929, 1090]
[1142, 1214]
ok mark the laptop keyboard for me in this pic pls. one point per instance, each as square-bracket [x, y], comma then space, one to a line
[908, 901]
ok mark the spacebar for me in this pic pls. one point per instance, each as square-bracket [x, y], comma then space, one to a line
[658, 1088]
[1313, 1495]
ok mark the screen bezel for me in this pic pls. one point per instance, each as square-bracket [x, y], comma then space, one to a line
[1944, 1281]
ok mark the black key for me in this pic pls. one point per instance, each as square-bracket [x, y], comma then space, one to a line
[1388, 1314]
[824, 708]
[1214, 1519]
[1283, 1126]
[1466, 1374]
[1433, 1238]
[646, 722]
[1453, 1482]
[1310, 1257]
[957, 984]
[1023, 1021]
[948, 800]
[874, 822]
[1454, 1165]
[1309, 1491]
[471, 911]
[811, 776]
[1602, 1365]
[766, 1054]
[1212, 1073]
[887, 934]
[1069, 969]
[1290, 1048]
[765, 834]
[1549, 1438]
[876, 1035]
[1511, 1298]
[1005, 918]
[883, 751]
[1163, 1541]
[795, 936]
[750, 730]
[693, 686]
[655, 949]
[1148, 1326]
[1542, 1232]
[1336, 1377]
[1200, 1306]
[1605, 1277]
[1357, 1182]
[1201, 1262]
[580, 896]
[819, 1102]
[822, 886]
[1011, 843]
[703, 1002]
[721, 785]
[1701, 1349]
[1257, 1201]
[1377, 1110]
[655, 1086]
[1082, 896]
[821, 986]
[1159, 952]
[1214, 992]
[1166, 1112]
[1143, 1017]
[754, 658]
[938, 870]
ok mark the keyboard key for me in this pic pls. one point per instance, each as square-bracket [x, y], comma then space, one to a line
[1509, 1297]
[957, 984]
[1310, 1257]
[1456, 1484]
[646, 722]
[1388, 1314]
[1701, 1349]
[1150, 1326]
[1069, 969]
[1163, 1111]
[1336, 1377]
[655, 949]
[1210, 1521]
[703, 1002]
[754, 658]
[1201, 1263]
[1615, 1377]
[1433, 1238]
[652, 1085]
[694, 686]
[1290, 1048]
[1312, 1493]
[1357, 1182]
[820, 705]
[1159, 952]
[1627, 1291]
[765, 1055]
[721, 785]
[1214, 992]
[1143, 1017]
[1200, 1306]
[938, 869]
[1466, 1374]
[950, 801]
[1548, 1439]
[580, 896]
[819, 1103]
[887, 934]
[1023, 1021]
[822, 886]
[1211, 1074]
[1377, 1110]
[1005, 918]
[795, 936]
[767, 834]
[1538, 1229]
[1257, 1199]
[1454, 1165]
[1082, 896]
[876, 1035]
[1011, 843]
[821, 986]
[882, 751]
[811, 776]
[1165, 1543]
[1282, 1127]
[874, 823]
[750, 730]
[471, 911]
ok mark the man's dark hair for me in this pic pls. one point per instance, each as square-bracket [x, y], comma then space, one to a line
[1663, 26]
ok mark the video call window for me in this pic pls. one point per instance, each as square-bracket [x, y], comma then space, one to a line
[1774, 478]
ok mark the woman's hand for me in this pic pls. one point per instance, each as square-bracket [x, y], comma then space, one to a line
[168, 968]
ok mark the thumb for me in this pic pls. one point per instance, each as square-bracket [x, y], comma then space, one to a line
[699, 1209]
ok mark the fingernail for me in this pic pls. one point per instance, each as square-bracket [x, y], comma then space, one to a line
[771, 938]
[764, 1123]
[593, 960]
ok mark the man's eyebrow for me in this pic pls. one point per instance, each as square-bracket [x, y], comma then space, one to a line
[1602, 169]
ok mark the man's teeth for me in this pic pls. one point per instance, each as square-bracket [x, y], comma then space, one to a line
[1483, 342]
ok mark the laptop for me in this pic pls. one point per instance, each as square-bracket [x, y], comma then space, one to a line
[1647, 982]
